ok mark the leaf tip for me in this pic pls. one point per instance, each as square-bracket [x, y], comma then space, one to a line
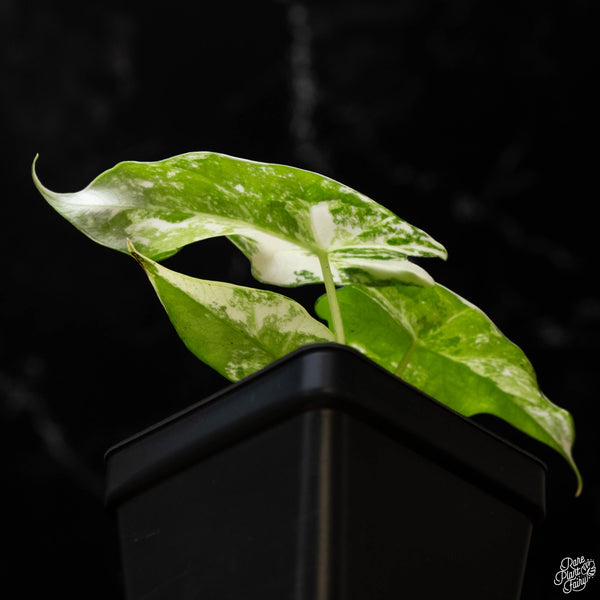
[42, 189]
[36, 179]
[141, 260]
[579, 482]
[579, 479]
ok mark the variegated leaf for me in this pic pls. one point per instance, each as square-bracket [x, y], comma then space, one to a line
[447, 347]
[236, 330]
[285, 220]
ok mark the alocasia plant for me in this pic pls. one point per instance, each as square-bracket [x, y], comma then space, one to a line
[297, 227]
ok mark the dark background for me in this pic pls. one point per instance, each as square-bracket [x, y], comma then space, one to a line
[472, 119]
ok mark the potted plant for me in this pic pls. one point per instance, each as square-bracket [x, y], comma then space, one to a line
[342, 462]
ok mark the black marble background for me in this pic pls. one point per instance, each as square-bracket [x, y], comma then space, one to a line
[473, 119]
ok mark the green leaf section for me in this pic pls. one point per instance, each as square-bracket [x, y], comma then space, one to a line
[285, 220]
[236, 330]
[447, 347]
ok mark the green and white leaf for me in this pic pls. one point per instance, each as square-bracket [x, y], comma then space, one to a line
[285, 220]
[447, 347]
[235, 330]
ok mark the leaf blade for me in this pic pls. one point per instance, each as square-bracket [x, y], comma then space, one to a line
[266, 209]
[234, 329]
[451, 350]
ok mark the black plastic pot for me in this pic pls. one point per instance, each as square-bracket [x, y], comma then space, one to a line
[323, 477]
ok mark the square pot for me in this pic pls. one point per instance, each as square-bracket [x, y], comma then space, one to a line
[323, 477]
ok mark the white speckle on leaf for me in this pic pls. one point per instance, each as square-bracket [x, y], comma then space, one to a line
[365, 198]
[240, 188]
[154, 224]
[235, 313]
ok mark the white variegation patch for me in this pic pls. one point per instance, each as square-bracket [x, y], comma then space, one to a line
[322, 225]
